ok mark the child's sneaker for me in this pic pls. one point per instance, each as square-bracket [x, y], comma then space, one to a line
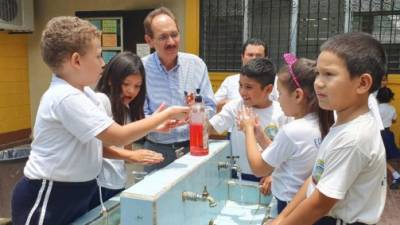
[395, 184]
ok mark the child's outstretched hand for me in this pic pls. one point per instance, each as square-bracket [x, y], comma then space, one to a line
[246, 118]
[145, 157]
[168, 125]
[178, 116]
[180, 113]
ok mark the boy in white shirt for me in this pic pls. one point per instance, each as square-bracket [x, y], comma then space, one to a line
[70, 129]
[348, 182]
[256, 83]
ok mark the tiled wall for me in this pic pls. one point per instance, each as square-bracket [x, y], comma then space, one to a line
[14, 83]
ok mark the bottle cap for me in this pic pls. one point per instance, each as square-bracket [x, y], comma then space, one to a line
[198, 97]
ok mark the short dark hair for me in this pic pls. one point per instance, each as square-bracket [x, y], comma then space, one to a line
[149, 19]
[385, 95]
[361, 53]
[121, 66]
[261, 70]
[255, 41]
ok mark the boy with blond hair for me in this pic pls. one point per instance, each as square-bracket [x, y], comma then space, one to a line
[71, 128]
[348, 182]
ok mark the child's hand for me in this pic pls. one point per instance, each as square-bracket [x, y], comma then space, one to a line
[179, 113]
[170, 124]
[144, 156]
[265, 185]
[258, 131]
[246, 118]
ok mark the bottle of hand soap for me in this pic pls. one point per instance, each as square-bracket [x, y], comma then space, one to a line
[198, 127]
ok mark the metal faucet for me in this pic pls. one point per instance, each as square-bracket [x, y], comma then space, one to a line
[231, 164]
[204, 196]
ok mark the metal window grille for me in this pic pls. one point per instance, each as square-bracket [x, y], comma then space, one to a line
[221, 34]
[317, 21]
[270, 21]
[226, 24]
[382, 20]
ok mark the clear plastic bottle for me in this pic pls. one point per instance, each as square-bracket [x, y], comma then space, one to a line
[198, 127]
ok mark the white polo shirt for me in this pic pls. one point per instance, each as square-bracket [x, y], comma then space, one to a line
[229, 88]
[270, 119]
[113, 174]
[351, 167]
[388, 114]
[292, 154]
[65, 147]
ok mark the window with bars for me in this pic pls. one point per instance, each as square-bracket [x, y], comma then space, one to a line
[221, 34]
[317, 21]
[382, 20]
[226, 24]
[270, 21]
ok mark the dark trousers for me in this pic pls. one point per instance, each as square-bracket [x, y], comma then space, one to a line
[281, 205]
[50, 202]
[327, 220]
[392, 152]
[167, 150]
[245, 176]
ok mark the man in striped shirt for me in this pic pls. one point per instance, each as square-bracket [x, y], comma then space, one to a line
[169, 73]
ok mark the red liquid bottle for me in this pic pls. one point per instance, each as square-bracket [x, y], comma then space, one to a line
[198, 128]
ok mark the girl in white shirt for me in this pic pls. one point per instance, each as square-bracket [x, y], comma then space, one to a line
[291, 155]
[388, 115]
[122, 91]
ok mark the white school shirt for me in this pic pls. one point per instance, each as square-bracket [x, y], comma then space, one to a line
[271, 118]
[373, 106]
[113, 174]
[388, 114]
[351, 167]
[229, 88]
[65, 147]
[292, 154]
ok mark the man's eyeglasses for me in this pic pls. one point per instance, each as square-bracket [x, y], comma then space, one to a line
[165, 37]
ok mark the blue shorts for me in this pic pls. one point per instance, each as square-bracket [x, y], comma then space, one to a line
[47, 202]
[392, 152]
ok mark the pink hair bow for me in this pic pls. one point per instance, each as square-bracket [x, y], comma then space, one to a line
[291, 59]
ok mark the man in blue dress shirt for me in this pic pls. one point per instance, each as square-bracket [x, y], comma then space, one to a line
[169, 73]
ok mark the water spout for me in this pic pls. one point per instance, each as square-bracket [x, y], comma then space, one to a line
[204, 196]
[231, 164]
